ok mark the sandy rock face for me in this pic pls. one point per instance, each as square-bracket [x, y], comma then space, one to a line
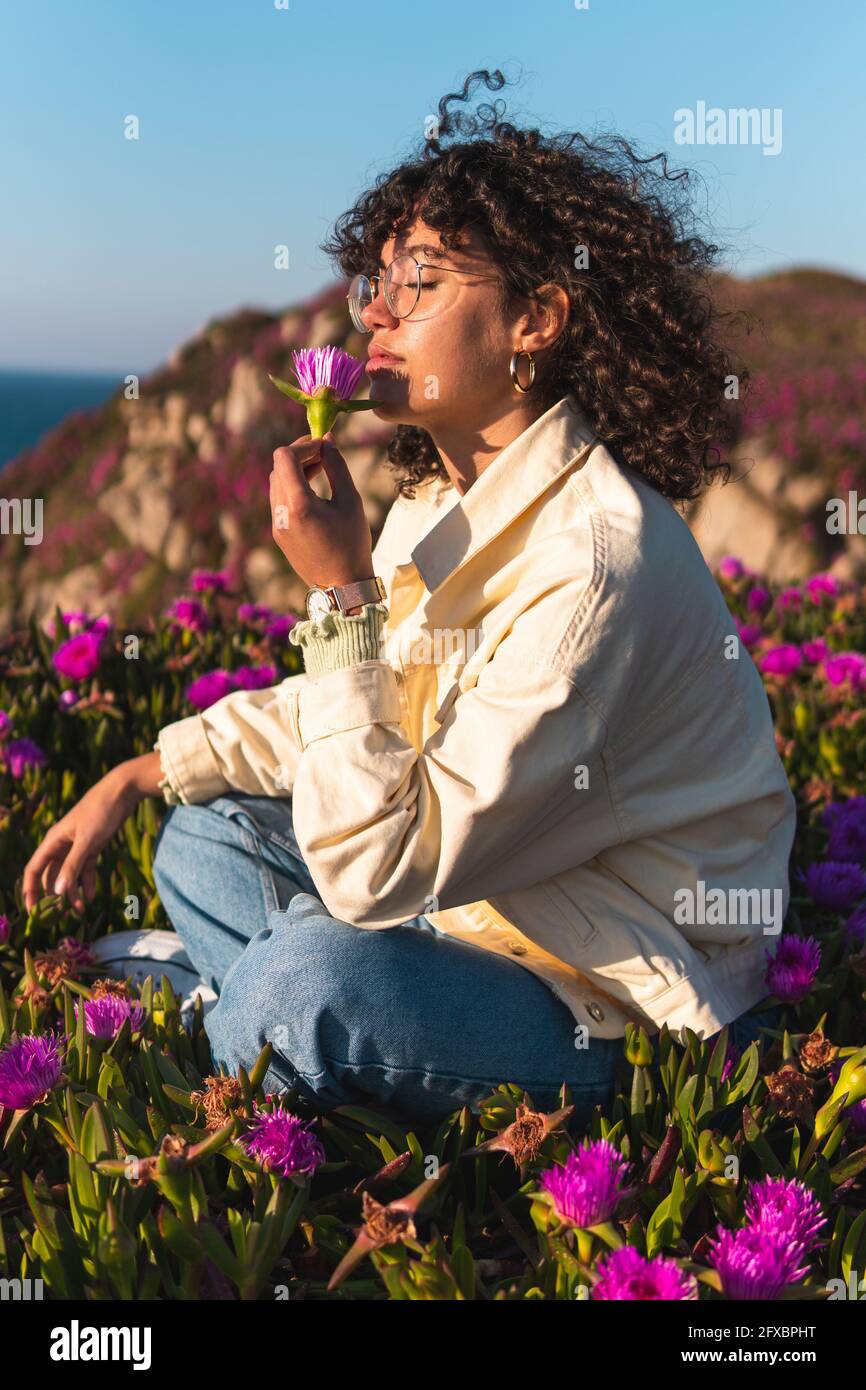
[141, 506]
[247, 399]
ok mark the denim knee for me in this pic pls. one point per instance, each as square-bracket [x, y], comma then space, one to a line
[287, 988]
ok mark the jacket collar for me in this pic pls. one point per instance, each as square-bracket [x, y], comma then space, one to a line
[520, 473]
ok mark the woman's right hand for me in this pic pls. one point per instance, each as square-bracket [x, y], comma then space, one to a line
[71, 848]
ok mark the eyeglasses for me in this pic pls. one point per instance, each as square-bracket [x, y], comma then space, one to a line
[403, 287]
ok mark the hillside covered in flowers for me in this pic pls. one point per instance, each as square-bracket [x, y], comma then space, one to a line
[172, 473]
[129, 1170]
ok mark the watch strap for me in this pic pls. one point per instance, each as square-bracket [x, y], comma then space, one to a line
[356, 594]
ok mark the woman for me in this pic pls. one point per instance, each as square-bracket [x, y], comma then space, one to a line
[526, 788]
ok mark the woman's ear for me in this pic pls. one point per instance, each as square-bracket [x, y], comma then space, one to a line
[555, 306]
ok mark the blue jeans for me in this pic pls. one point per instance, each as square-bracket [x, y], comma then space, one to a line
[407, 1016]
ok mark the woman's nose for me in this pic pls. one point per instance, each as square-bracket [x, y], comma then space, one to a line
[377, 312]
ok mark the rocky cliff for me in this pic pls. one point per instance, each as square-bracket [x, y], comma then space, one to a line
[140, 491]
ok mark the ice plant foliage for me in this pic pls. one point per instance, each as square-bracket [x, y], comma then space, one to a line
[242, 1195]
[328, 378]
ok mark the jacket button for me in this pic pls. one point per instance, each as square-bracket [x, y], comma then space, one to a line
[595, 1012]
[516, 948]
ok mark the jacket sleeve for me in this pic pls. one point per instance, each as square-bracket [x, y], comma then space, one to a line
[389, 831]
[243, 742]
[247, 741]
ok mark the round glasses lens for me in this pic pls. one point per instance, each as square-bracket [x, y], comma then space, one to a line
[360, 297]
[401, 286]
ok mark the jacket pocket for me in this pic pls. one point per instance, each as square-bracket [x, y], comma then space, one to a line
[569, 912]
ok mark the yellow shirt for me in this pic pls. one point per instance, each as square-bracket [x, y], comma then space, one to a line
[561, 752]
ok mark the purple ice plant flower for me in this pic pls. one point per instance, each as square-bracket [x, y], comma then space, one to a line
[587, 1188]
[627, 1274]
[78, 952]
[4, 928]
[253, 613]
[30, 1067]
[786, 1206]
[79, 657]
[282, 1143]
[210, 581]
[5, 724]
[821, 585]
[790, 598]
[792, 970]
[280, 627]
[209, 688]
[255, 677]
[847, 840]
[732, 1057]
[758, 598]
[846, 666]
[189, 613]
[20, 753]
[834, 884]
[815, 650]
[327, 366]
[855, 930]
[781, 660]
[750, 634]
[328, 378]
[756, 1263]
[731, 567]
[856, 1113]
[76, 620]
[104, 1017]
[854, 807]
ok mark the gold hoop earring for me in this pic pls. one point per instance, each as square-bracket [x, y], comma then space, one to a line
[512, 367]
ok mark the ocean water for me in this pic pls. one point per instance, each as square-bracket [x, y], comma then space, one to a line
[32, 402]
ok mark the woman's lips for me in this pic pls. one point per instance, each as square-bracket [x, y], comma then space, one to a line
[379, 361]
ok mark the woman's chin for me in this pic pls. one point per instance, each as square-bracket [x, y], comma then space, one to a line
[389, 404]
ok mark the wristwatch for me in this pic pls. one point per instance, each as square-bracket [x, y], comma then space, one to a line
[338, 597]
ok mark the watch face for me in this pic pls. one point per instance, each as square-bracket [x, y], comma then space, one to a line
[318, 604]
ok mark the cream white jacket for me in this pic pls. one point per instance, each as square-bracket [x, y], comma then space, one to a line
[557, 749]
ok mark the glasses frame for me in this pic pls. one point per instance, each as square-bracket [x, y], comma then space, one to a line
[375, 281]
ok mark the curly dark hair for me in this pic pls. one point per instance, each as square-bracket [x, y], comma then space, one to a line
[640, 352]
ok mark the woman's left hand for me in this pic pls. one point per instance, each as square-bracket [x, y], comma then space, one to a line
[326, 541]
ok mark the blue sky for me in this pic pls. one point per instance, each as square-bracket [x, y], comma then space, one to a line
[259, 125]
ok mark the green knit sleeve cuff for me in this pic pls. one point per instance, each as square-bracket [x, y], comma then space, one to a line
[341, 639]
